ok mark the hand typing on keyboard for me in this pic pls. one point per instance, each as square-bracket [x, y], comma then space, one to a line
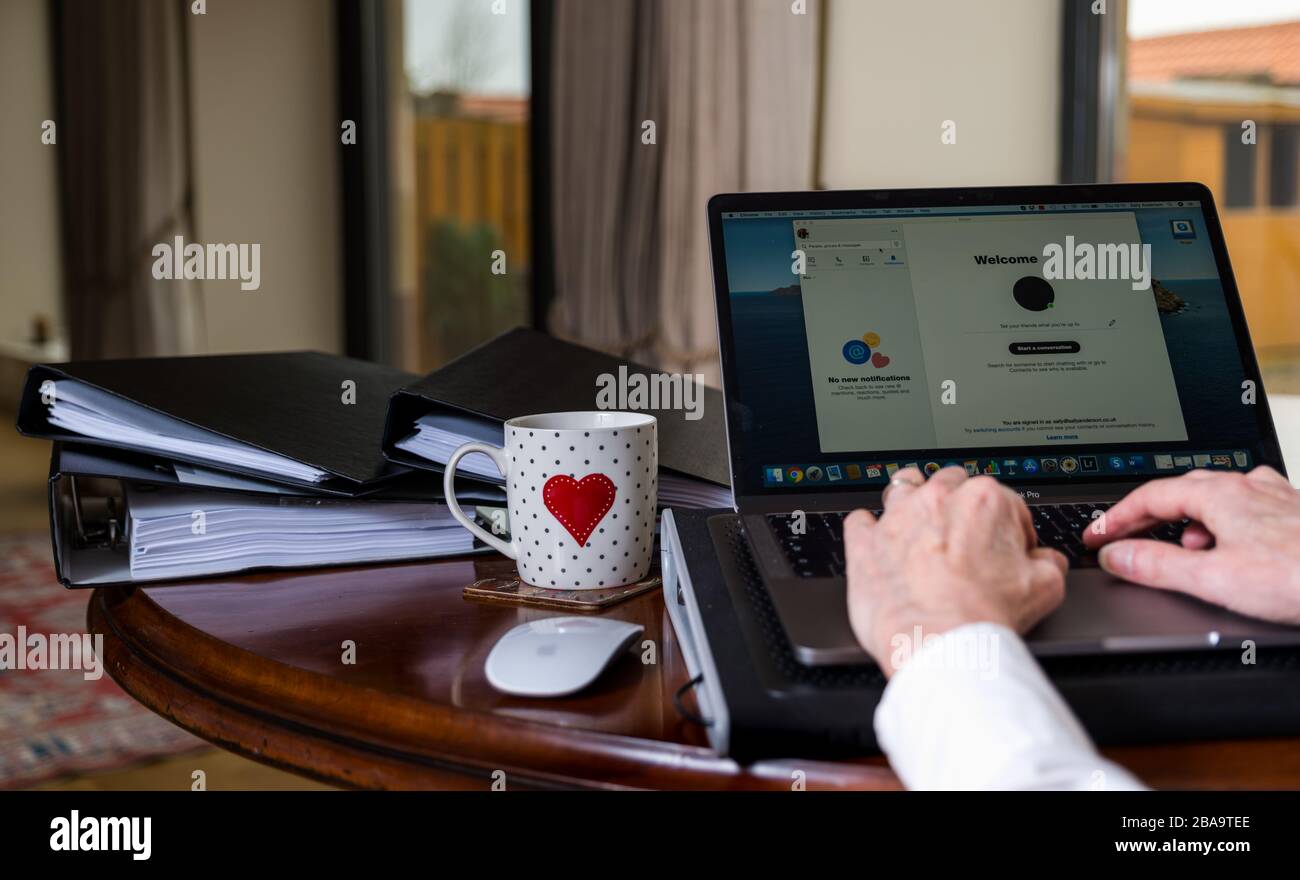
[954, 551]
[1241, 549]
[946, 551]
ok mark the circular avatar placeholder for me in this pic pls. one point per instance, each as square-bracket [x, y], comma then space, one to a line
[1033, 293]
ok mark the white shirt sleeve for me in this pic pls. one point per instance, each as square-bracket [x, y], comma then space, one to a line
[972, 710]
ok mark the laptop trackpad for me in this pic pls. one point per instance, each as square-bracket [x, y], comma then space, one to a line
[1101, 612]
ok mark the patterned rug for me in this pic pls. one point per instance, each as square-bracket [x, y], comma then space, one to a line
[55, 722]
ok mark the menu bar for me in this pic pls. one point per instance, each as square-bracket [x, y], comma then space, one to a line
[963, 209]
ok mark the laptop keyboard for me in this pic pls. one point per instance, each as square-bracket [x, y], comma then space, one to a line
[819, 550]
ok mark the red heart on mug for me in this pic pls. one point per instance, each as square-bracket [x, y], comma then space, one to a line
[879, 360]
[579, 505]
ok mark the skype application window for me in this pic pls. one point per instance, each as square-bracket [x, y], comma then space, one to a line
[903, 314]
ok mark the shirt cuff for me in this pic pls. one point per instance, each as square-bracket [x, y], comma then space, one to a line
[971, 709]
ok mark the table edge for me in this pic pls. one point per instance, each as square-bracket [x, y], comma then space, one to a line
[222, 693]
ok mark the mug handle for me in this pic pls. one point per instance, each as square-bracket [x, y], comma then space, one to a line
[498, 456]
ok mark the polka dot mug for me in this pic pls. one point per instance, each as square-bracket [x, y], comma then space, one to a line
[580, 491]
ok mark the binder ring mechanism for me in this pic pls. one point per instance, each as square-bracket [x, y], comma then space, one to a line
[102, 532]
[682, 710]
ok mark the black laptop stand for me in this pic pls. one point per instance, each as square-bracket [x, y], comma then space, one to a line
[758, 701]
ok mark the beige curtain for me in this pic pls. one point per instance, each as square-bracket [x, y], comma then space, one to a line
[125, 176]
[730, 87]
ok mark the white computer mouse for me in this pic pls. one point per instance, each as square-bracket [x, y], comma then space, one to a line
[557, 656]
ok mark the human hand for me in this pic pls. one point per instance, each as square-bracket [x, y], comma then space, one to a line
[1241, 551]
[945, 552]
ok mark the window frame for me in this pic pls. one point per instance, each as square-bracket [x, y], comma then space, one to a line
[1092, 108]
[366, 235]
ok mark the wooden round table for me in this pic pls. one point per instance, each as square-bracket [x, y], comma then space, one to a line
[373, 678]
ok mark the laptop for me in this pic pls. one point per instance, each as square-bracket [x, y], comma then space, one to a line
[1072, 342]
